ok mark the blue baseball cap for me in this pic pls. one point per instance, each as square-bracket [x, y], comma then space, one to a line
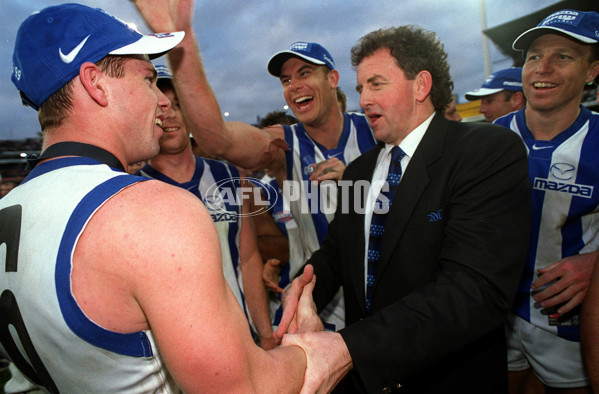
[506, 79]
[309, 51]
[165, 77]
[53, 43]
[580, 25]
[163, 72]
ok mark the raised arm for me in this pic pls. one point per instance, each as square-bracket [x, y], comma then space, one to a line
[237, 142]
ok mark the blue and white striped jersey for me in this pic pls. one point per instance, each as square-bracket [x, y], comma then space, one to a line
[217, 184]
[565, 216]
[313, 205]
[280, 212]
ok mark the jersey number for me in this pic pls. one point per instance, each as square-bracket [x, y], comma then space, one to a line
[10, 315]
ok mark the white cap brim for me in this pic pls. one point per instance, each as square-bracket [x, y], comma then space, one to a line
[478, 93]
[523, 41]
[153, 45]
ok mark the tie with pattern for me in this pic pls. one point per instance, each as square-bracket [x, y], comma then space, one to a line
[377, 225]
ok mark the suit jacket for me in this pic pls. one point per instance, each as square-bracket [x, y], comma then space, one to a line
[452, 253]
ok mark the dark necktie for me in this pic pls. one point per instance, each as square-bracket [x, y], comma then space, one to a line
[379, 217]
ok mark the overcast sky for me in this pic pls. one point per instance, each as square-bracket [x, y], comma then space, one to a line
[237, 37]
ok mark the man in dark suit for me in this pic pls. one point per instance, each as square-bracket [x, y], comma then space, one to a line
[429, 318]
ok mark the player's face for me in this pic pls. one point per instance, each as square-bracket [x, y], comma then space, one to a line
[555, 72]
[142, 108]
[175, 138]
[387, 96]
[494, 105]
[307, 90]
[452, 113]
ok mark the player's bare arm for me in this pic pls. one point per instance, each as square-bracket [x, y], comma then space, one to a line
[168, 275]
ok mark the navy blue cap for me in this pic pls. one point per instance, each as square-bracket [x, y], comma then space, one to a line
[580, 25]
[309, 51]
[53, 43]
[506, 79]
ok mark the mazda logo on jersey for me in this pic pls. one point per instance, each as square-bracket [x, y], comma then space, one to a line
[563, 171]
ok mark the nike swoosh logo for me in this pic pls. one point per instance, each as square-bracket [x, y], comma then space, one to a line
[335, 155]
[69, 57]
[534, 147]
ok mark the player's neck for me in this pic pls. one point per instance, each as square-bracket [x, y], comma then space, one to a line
[179, 167]
[328, 132]
[547, 124]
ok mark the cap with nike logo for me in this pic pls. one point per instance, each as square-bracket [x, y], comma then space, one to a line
[53, 43]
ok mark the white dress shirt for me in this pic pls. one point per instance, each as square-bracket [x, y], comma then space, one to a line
[381, 170]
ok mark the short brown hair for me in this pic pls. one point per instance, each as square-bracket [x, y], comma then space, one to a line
[414, 50]
[55, 109]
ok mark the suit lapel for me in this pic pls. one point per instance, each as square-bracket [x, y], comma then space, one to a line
[412, 185]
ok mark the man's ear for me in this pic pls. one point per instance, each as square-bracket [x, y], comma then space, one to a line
[93, 81]
[518, 101]
[593, 72]
[334, 78]
[423, 85]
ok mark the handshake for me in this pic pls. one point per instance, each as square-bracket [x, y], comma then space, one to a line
[327, 357]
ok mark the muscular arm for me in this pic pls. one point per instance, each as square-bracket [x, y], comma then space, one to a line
[166, 275]
[239, 143]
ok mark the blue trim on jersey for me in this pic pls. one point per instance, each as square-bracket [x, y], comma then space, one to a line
[134, 344]
[220, 171]
[541, 157]
[366, 141]
[274, 195]
[307, 154]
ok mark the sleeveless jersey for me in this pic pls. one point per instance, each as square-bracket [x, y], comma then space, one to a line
[313, 205]
[565, 216]
[50, 339]
[217, 184]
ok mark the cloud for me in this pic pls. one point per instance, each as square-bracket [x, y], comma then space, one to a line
[237, 37]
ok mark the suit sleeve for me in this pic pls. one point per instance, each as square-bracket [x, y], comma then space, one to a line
[478, 258]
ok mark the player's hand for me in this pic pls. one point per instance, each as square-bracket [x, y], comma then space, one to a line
[271, 273]
[330, 169]
[572, 277]
[290, 301]
[307, 319]
[166, 15]
[327, 359]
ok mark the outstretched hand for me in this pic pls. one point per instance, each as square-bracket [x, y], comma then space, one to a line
[166, 15]
[299, 311]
